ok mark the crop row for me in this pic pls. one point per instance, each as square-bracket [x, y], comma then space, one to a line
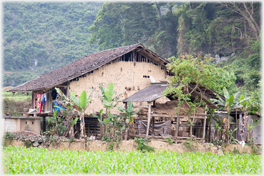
[42, 161]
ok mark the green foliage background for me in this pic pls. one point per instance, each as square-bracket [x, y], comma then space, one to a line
[40, 37]
[55, 34]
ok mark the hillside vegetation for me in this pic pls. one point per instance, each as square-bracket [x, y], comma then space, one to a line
[172, 29]
[39, 37]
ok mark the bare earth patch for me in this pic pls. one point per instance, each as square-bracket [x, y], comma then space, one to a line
[131, 145]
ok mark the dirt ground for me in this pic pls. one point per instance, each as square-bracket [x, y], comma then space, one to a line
[130, 145]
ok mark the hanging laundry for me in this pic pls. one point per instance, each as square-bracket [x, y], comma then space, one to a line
[44, 98]
[38, 100]
[40, 108]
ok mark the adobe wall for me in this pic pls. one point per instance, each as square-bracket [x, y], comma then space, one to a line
[14, 124]
[127, 77]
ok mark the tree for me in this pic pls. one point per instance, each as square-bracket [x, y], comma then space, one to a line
[106, 29]
[200, 72]
[248, 12]
[120, 24]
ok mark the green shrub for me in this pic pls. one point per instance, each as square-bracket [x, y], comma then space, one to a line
[111, 146]
[105, 138]
[236, 151]
[9, 135]
[170, 140]
[72, 139]
[27, 144]
[190, 146]
[143, 146]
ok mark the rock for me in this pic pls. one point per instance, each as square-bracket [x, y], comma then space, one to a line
[64, 139]
[92, 137]
[36, 144]
[41, 146]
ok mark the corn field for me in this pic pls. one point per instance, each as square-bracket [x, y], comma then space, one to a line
[22, 160]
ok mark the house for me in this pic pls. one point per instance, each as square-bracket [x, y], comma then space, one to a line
[137, 73]
[129, 68]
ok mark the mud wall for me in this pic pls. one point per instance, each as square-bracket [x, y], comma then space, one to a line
[13, 124]
[127, 77]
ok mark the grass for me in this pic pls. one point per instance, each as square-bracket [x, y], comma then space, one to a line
[21, 160]
[17, 96]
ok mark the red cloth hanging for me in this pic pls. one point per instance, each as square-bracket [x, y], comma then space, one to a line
[41, 103]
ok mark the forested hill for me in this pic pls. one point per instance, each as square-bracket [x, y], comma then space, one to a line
[40, 37]
[230, 30]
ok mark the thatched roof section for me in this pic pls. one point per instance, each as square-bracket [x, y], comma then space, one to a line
[82, 66]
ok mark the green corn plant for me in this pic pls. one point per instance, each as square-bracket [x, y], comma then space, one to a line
[22, 160]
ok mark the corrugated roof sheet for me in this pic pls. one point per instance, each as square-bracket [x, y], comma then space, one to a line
[79, 67]
[149, 93]
[156, 90]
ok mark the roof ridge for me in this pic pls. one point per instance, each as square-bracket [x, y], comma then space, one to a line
[79, 67]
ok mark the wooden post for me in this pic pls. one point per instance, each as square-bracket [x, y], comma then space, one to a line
[177, 129]
[236, 124]
[33, 100]
[149, 117]
[125, 105]
[44, 123]
[88, 130]
[204, 128]
[134, 57]
[153, 121]
[165, 71]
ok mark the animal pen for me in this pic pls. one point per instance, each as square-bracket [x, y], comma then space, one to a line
[161, 120]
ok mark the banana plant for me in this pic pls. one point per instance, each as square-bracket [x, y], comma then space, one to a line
[229, 103]
[128, 115]
[80, 104]
[251, 127]
[244, 106]
[111, 122]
